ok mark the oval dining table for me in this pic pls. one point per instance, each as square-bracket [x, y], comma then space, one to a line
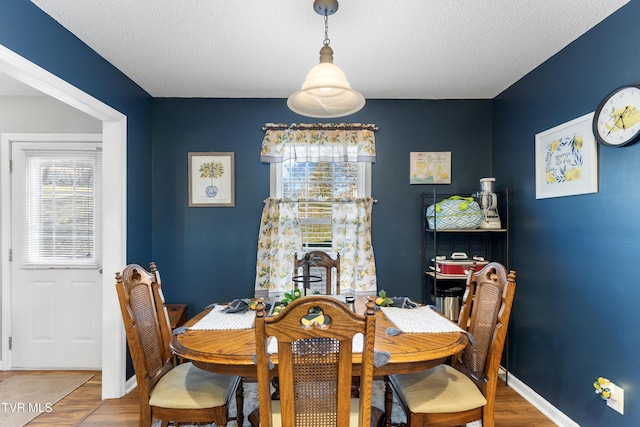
[232, 352]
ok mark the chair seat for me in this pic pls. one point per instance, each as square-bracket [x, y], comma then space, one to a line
[442, 389]
[189, 387]
[277, 420]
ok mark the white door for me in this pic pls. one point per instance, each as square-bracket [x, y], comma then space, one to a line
[56, 295]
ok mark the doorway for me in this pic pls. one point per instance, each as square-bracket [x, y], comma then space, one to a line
[114, 131]
[56, 303]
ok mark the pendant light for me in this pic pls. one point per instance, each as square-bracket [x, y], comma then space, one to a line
[326, 92]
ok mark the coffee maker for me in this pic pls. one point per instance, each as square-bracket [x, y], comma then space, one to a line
[488, 201]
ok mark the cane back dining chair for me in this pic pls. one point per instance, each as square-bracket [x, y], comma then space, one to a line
[316, 336]
[316, 266]
[456, 394]
[170, 392]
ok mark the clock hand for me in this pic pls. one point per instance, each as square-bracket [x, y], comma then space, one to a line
[619, 119]
[621, 116]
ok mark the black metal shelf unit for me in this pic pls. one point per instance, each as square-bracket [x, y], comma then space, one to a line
[492, 244]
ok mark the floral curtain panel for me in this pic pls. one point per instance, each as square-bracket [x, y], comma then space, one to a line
[278, 242]
[319, 143]
[280, 237]
[351, 229]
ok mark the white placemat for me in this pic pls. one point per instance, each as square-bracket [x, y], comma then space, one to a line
[357, 344]
[420, 320]
[217, 319]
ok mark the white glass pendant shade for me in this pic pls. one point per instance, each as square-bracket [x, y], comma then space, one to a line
[326, 91]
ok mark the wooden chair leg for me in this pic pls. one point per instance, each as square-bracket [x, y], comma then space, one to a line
[386, 420]
[240, 402]
[276, 385]
[355, 387]
[388, 402]
[254, 418]
[145, 415]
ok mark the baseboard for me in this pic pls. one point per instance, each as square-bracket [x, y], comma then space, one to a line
[550, 411]
[130, 385]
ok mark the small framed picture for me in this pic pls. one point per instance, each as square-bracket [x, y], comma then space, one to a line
[211, 180]
[430, 168]
[567, 159]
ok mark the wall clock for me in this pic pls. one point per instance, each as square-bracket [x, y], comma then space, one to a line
[616, 121]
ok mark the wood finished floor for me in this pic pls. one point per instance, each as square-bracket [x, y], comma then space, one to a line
[83, 407]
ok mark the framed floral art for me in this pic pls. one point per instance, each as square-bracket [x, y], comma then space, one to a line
[567, 159]
[211, 180]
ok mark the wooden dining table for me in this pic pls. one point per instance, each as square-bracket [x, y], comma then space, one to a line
[232, 352]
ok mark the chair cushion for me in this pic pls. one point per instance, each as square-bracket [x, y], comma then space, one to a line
[189, 387]
[277, 420]
[442, 389]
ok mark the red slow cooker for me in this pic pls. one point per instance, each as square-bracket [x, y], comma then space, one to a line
[458, 264]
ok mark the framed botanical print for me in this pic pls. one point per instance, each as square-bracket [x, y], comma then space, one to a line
[567, 159]
[211, 180]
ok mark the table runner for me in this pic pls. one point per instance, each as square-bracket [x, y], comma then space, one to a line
[217, 319]
[420, 320]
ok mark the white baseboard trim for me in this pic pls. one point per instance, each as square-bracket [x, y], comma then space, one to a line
[130, 385]
[550, 411]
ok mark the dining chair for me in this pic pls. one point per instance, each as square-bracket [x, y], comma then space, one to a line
[170, 392]
[316, 266]
[456, 394]
[316, 336]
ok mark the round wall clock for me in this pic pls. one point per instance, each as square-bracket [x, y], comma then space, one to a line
[616, 121]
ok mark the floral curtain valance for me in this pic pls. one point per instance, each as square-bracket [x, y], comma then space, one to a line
[319, 143]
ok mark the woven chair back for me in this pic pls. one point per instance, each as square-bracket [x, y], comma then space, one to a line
[315, 362]
[142, 306]
[487, 305]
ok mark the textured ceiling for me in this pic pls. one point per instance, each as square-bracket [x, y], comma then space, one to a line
[419, 49]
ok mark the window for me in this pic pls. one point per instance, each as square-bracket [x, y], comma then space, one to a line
[62, 197]
[318, 185]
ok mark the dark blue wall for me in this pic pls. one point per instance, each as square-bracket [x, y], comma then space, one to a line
[32, 34]
[576, 257]
[208, 254]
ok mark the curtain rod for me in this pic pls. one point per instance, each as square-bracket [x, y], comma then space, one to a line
[320, 126]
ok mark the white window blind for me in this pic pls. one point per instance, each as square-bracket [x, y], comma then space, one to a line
[317, 185]
[63, 194]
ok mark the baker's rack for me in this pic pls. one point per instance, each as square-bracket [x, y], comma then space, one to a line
[492, 244]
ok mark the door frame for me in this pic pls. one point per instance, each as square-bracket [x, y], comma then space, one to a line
[114, 210]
